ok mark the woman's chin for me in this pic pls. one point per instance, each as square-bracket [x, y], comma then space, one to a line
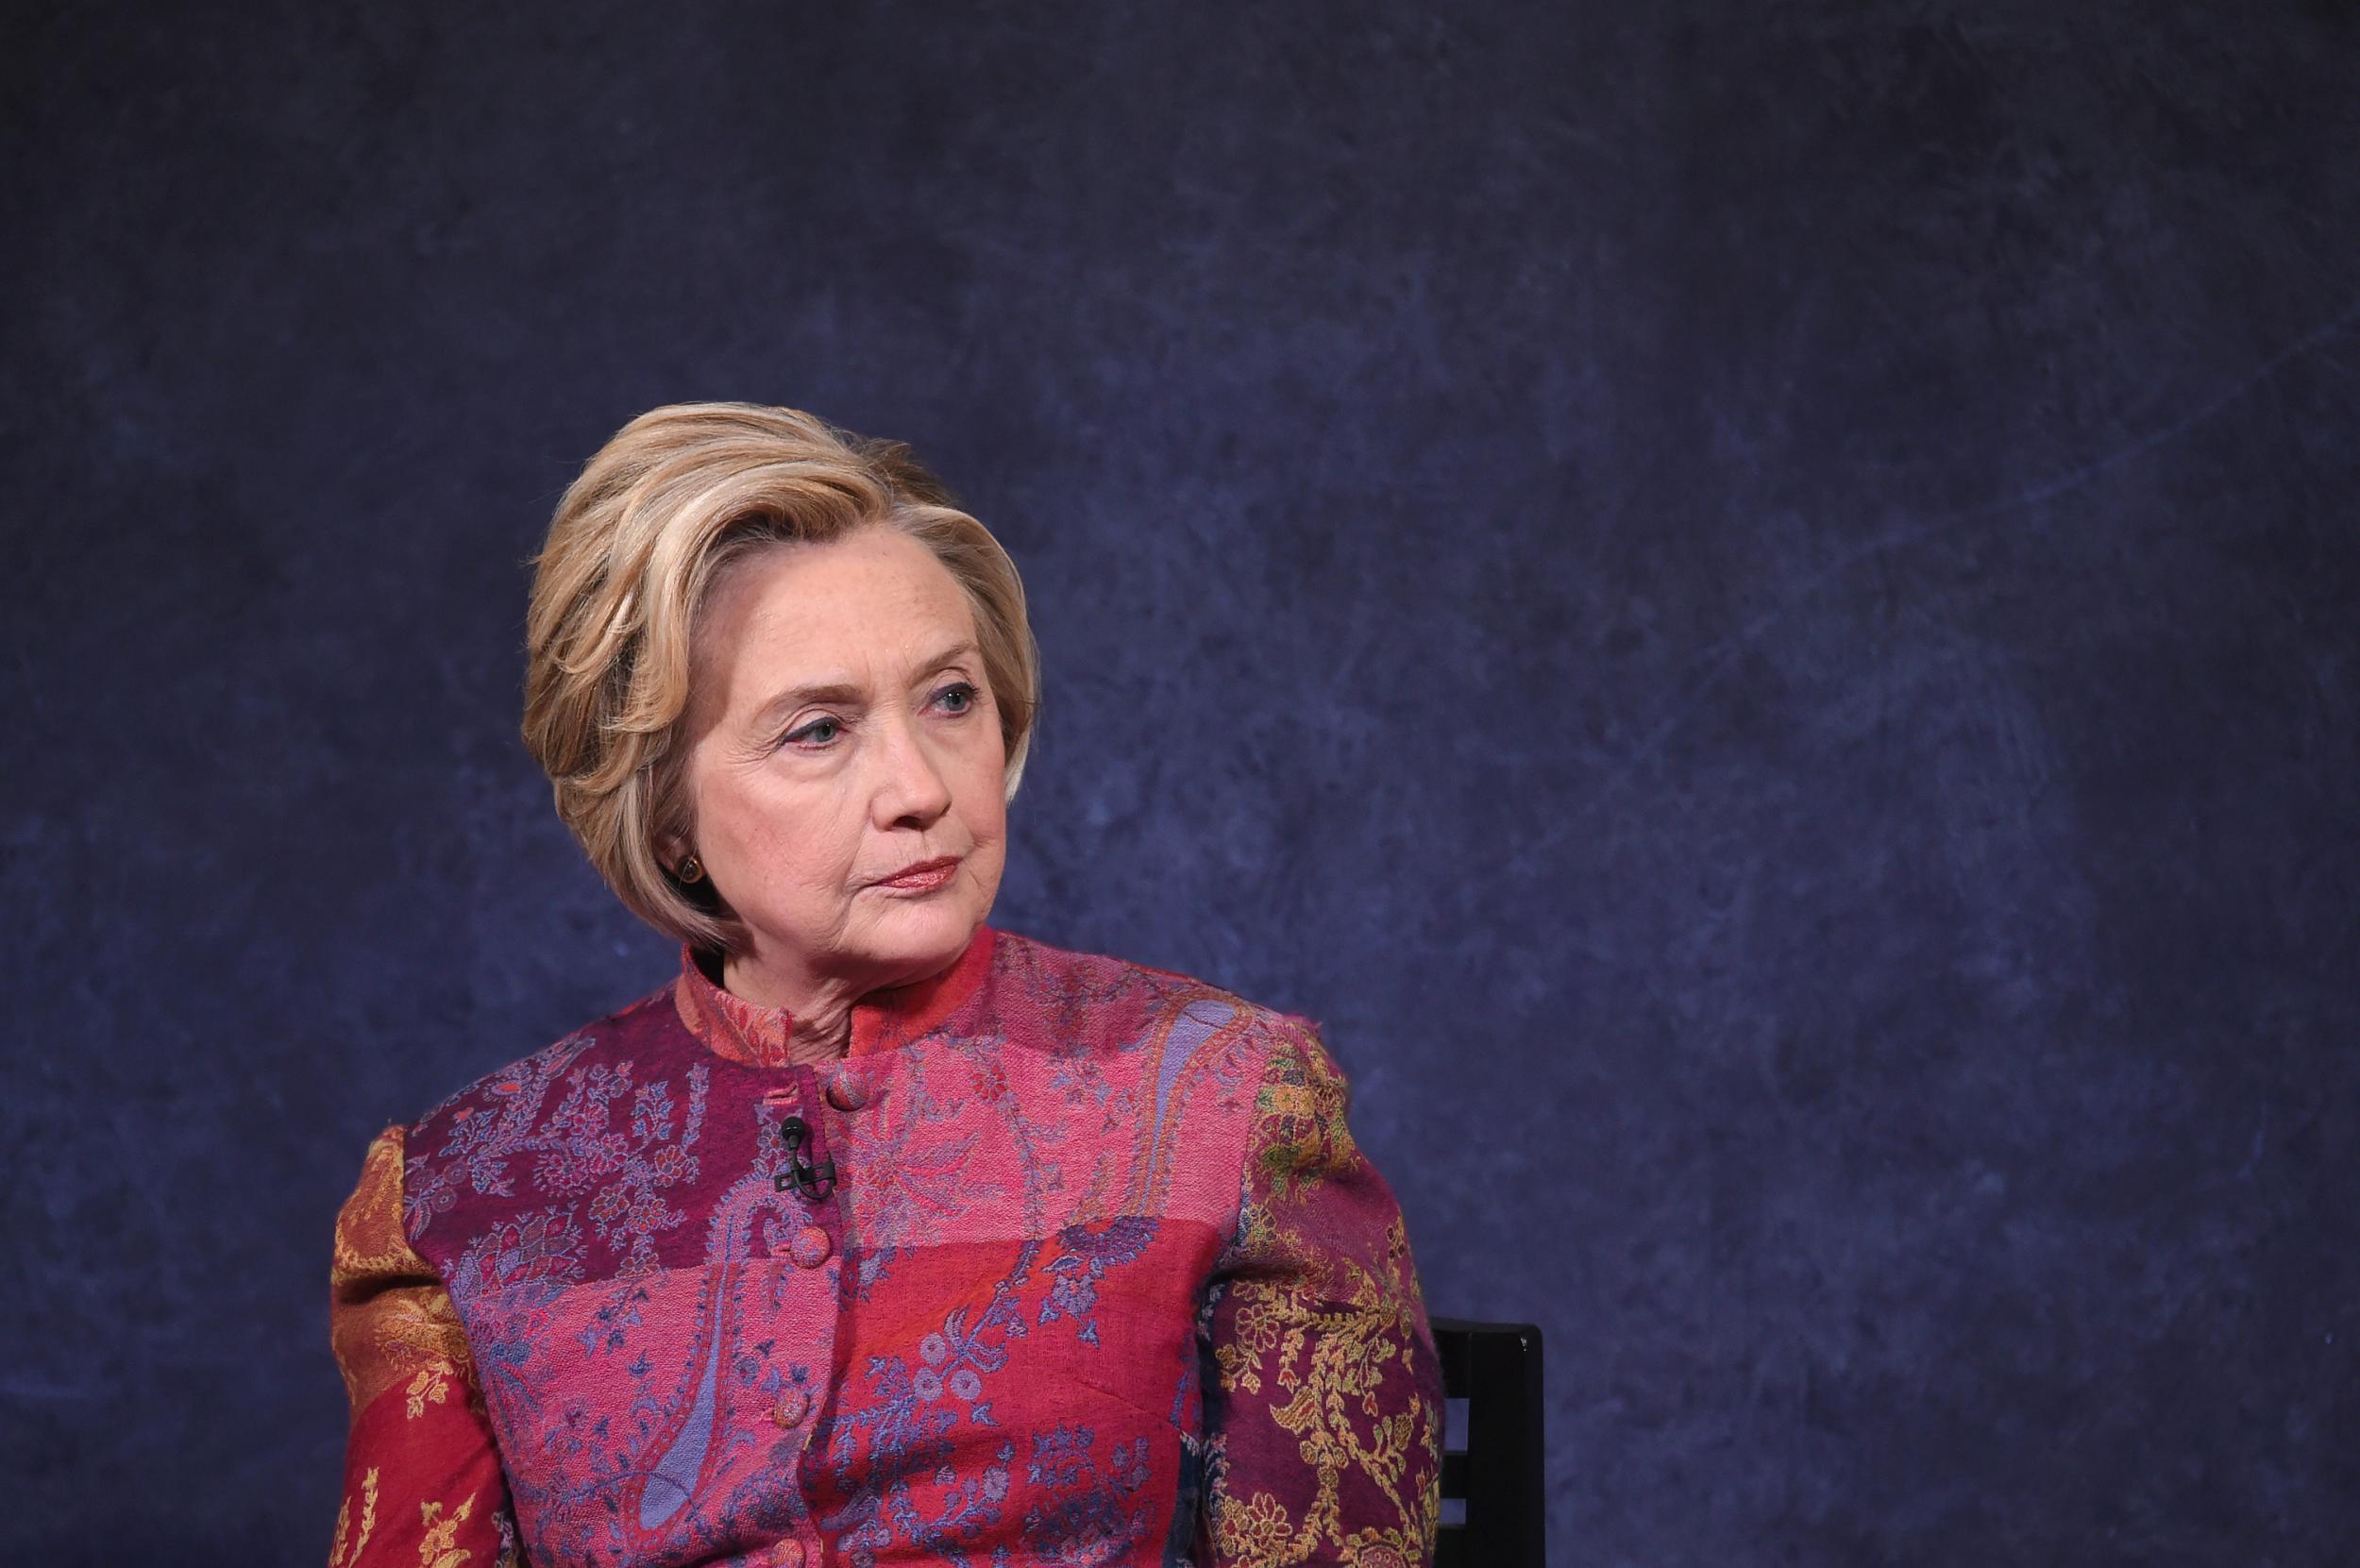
[936, 929]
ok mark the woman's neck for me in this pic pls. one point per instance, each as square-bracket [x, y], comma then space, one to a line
[820, 1011]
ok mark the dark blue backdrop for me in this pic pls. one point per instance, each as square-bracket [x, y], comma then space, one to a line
[1756, 606]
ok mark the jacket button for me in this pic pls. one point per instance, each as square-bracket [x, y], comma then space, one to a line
[845, 1092]
[792, 1406]
[810, 1247]
[788, 1554]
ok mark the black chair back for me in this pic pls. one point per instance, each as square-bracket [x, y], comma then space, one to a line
[1498, 1477]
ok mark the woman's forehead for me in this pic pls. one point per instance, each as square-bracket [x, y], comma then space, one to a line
[872, 607]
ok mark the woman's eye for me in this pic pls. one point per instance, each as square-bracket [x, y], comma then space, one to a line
[820, 730]
[960, 697]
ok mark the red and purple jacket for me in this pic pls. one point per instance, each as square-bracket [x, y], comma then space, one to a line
[1068, 1261]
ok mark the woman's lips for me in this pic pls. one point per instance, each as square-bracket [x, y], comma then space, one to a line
[924, 877]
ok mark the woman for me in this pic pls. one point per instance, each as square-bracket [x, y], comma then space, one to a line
[876, 1235]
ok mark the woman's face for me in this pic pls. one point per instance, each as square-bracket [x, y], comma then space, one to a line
[841, 732]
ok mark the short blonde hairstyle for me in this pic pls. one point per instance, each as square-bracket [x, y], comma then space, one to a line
[638, 542]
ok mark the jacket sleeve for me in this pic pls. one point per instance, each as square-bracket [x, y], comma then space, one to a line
[423, 1484]
[1323, 1400]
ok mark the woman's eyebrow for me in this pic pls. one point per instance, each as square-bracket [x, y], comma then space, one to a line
[947, 656]
[781, 704]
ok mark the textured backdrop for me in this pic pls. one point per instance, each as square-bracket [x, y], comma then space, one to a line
[1758, 606]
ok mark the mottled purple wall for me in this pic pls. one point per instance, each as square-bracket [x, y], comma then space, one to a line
[1757, 605]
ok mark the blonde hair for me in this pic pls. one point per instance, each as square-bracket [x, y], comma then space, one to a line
[635, 547]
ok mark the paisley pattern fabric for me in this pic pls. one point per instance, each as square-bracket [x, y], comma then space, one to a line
[1068, 1261]
[419, 1472]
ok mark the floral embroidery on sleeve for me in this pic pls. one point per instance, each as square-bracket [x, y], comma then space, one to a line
[1325, 1401]
[423, 1484]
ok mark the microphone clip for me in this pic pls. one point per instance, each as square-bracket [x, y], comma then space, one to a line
[811, 1182]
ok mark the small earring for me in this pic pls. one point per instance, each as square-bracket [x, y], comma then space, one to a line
[691, 869]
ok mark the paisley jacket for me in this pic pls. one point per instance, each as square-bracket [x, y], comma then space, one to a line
[1068, 1261]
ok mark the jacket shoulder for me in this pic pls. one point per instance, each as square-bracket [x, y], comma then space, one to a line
[525, 1080]
[1087, 997]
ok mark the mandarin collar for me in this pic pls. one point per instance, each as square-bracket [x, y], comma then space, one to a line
[729, 1025]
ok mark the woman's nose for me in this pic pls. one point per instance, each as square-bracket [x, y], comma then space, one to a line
[911, 787]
